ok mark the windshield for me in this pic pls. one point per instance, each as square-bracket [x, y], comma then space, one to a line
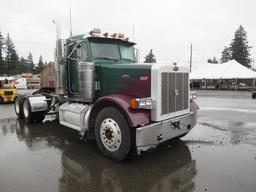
[104, 50]
[127, 52]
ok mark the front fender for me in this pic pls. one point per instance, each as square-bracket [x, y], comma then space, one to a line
[134, 117]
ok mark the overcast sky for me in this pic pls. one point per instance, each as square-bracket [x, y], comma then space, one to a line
[167, 27]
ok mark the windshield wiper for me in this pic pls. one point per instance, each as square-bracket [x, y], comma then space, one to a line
[110, 58]
[128, 59]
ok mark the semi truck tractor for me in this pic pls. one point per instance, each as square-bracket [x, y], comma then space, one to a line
[105, 94]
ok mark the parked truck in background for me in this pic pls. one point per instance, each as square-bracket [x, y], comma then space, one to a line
[103, 93]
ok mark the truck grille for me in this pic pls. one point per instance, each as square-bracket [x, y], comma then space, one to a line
[8, 93]
[174, 92]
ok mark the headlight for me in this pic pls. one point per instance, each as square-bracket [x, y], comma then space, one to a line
[192, 95]
[141, 103]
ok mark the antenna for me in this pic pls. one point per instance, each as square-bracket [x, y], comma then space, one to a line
[190, 61]
[133, 32]
[70, 22]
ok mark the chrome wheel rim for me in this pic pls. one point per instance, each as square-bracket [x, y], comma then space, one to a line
[25, 108]
[110, 134]
[17, 106]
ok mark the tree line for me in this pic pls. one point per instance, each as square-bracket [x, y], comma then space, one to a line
[238, 50]
[12, 64]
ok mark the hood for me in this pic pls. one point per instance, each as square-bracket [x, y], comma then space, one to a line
[127, 79]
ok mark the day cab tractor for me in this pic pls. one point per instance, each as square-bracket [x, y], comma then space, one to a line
[103, 93]
[7, 89]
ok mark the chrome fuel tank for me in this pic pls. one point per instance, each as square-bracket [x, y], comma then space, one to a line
[86, 81]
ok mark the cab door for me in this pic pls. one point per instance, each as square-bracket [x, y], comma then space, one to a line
[78, 54]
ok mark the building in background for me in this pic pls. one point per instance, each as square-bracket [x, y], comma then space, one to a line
[48, 76]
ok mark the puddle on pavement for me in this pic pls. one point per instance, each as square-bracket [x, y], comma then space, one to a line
[217, 132]
[49, 157]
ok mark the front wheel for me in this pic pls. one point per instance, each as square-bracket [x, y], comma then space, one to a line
[113, 134]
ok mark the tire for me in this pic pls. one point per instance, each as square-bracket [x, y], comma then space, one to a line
[253, 95]
[28, 114]
[113, 134]
[179, 137]
[1, 100]
[18, 108]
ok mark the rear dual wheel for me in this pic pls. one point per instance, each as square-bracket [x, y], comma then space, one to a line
[113, 134]
[30, 116]
[18, 108]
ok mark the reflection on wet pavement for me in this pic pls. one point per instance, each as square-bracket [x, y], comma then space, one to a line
[221, 132]
[219, 154]
[169, 168]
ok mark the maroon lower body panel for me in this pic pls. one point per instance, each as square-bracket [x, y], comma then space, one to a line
[135, 117]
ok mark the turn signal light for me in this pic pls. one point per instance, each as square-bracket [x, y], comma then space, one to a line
[133, 104]
[141, 103]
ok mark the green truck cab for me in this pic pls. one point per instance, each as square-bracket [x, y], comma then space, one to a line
[105, 94]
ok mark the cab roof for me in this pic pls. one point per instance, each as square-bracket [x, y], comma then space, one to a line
[99, 37]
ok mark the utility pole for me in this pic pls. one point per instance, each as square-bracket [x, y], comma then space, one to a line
[190, 61]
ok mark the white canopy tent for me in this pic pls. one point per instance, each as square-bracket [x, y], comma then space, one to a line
[228, 70]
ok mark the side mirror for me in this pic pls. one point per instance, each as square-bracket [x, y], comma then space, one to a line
[81, 53]
[137, 55]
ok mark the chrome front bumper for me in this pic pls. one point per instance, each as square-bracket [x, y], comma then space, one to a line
[153, 134]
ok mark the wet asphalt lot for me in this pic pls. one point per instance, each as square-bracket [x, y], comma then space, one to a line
[219, 154]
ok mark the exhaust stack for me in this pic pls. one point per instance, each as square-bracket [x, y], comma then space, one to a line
[60, 62]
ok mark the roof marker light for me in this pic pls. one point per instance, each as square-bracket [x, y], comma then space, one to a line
[95, 31]
[120, 35]
[113, 35]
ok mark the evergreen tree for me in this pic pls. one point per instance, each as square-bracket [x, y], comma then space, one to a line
[226, 55]
[22, 66]
[239, 47]
[11, 58]
[2, 66]
[213, 61]
[40, 64]
[30, 63]
[150, 58]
